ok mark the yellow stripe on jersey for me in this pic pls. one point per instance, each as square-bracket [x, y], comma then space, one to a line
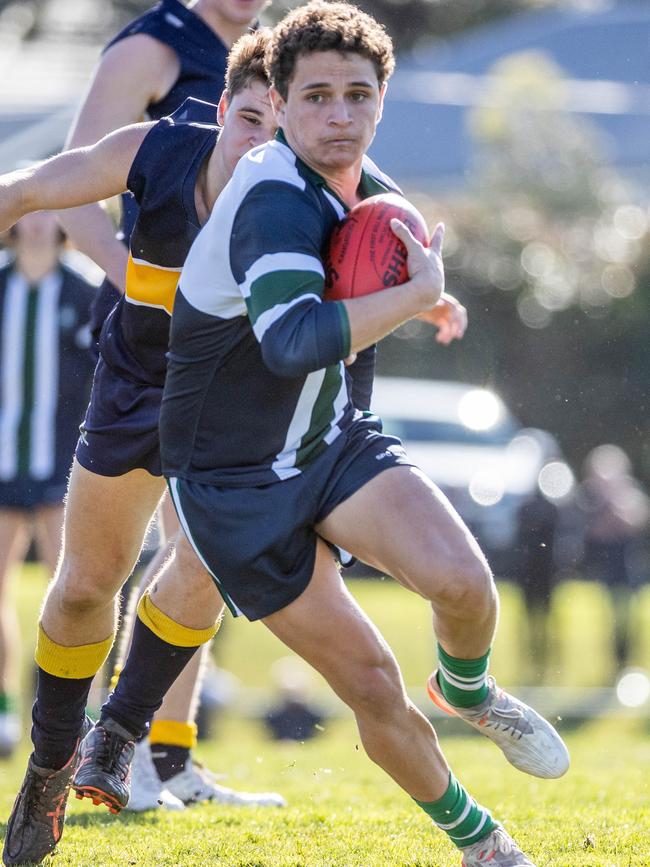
[151, 285]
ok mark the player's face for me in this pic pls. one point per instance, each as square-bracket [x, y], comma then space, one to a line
[247, 121]
[238, 11]
[333, 106]
[40, 229]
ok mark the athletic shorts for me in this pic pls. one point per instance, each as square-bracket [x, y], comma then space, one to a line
[259, 543]
[26, 494]
[120, 430]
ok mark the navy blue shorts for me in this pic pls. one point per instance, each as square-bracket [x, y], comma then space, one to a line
[259, 543]
[120, 430]
[26, 494]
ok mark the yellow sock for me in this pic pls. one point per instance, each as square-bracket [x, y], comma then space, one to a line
[169, 630]
[173, 733]
[77, 662]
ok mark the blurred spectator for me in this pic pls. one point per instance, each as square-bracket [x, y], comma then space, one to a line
[293, 717]
[616, 513]
[537, 526]
[45, 372]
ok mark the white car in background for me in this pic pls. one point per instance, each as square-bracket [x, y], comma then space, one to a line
[468, 442]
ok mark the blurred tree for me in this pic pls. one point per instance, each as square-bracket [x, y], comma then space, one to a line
[550, 251]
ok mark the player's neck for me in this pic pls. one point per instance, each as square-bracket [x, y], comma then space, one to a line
[211, 180]
[343, 182]
[228, 31]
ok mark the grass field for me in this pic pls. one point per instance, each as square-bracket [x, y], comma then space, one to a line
[344, 812]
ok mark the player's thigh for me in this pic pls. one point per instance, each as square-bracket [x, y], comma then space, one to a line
[401, 523]
[329, 630]
[14, 538]
[106, 518]
[48, 525]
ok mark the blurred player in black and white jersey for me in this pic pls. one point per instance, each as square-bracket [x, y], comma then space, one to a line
[45, 374]
[147, 71]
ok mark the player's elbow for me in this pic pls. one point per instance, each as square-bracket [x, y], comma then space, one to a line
[286, 361]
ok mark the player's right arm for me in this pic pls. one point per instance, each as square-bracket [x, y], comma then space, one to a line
[132, 74]
[72, 178]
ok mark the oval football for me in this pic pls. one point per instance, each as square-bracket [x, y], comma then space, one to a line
[364, 254]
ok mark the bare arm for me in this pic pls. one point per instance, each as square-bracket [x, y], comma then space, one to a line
[374, 316]
[71, 178]
[132, 74]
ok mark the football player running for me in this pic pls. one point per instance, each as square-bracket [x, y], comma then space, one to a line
[265, 490]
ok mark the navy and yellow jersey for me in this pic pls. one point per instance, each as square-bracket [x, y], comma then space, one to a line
[45, 371]
[256, 387]
[202, 57]
[163, 178]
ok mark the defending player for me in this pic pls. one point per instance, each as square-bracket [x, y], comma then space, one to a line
[290, 464]
[164, 56]
[176, 168]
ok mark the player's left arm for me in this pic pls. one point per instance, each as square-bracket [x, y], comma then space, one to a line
[72, 178]
[448, 316]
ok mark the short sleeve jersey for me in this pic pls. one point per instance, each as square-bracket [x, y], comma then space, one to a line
[256, 387]
[163, 178]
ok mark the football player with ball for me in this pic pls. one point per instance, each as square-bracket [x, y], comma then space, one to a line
[271, 469]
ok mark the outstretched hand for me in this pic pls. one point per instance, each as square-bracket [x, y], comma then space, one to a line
[448, 316]
[426, 271]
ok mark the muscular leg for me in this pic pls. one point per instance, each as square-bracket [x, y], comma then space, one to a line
[181, 701]
[183, 601]
[402, 524]
[105, 522]
[326, 627]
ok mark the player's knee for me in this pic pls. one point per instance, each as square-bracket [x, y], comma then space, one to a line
[80, 591]
[466, 585]
[378, 691]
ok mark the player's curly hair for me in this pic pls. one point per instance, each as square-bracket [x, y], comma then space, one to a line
[323, 26]
[246, 61]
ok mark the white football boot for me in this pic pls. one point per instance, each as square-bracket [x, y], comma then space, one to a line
[527, 740]
[195, 784]
[498, 849]
[147, 791]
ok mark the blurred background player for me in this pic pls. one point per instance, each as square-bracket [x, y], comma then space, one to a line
[535, 548]
[45, 374]
[616, 512]
[169, 53]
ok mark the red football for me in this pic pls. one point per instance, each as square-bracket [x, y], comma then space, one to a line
[364, 254]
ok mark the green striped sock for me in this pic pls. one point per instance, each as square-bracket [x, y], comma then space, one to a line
[463, 820]
[463, 681]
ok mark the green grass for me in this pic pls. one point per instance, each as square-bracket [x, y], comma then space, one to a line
[344, 812]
